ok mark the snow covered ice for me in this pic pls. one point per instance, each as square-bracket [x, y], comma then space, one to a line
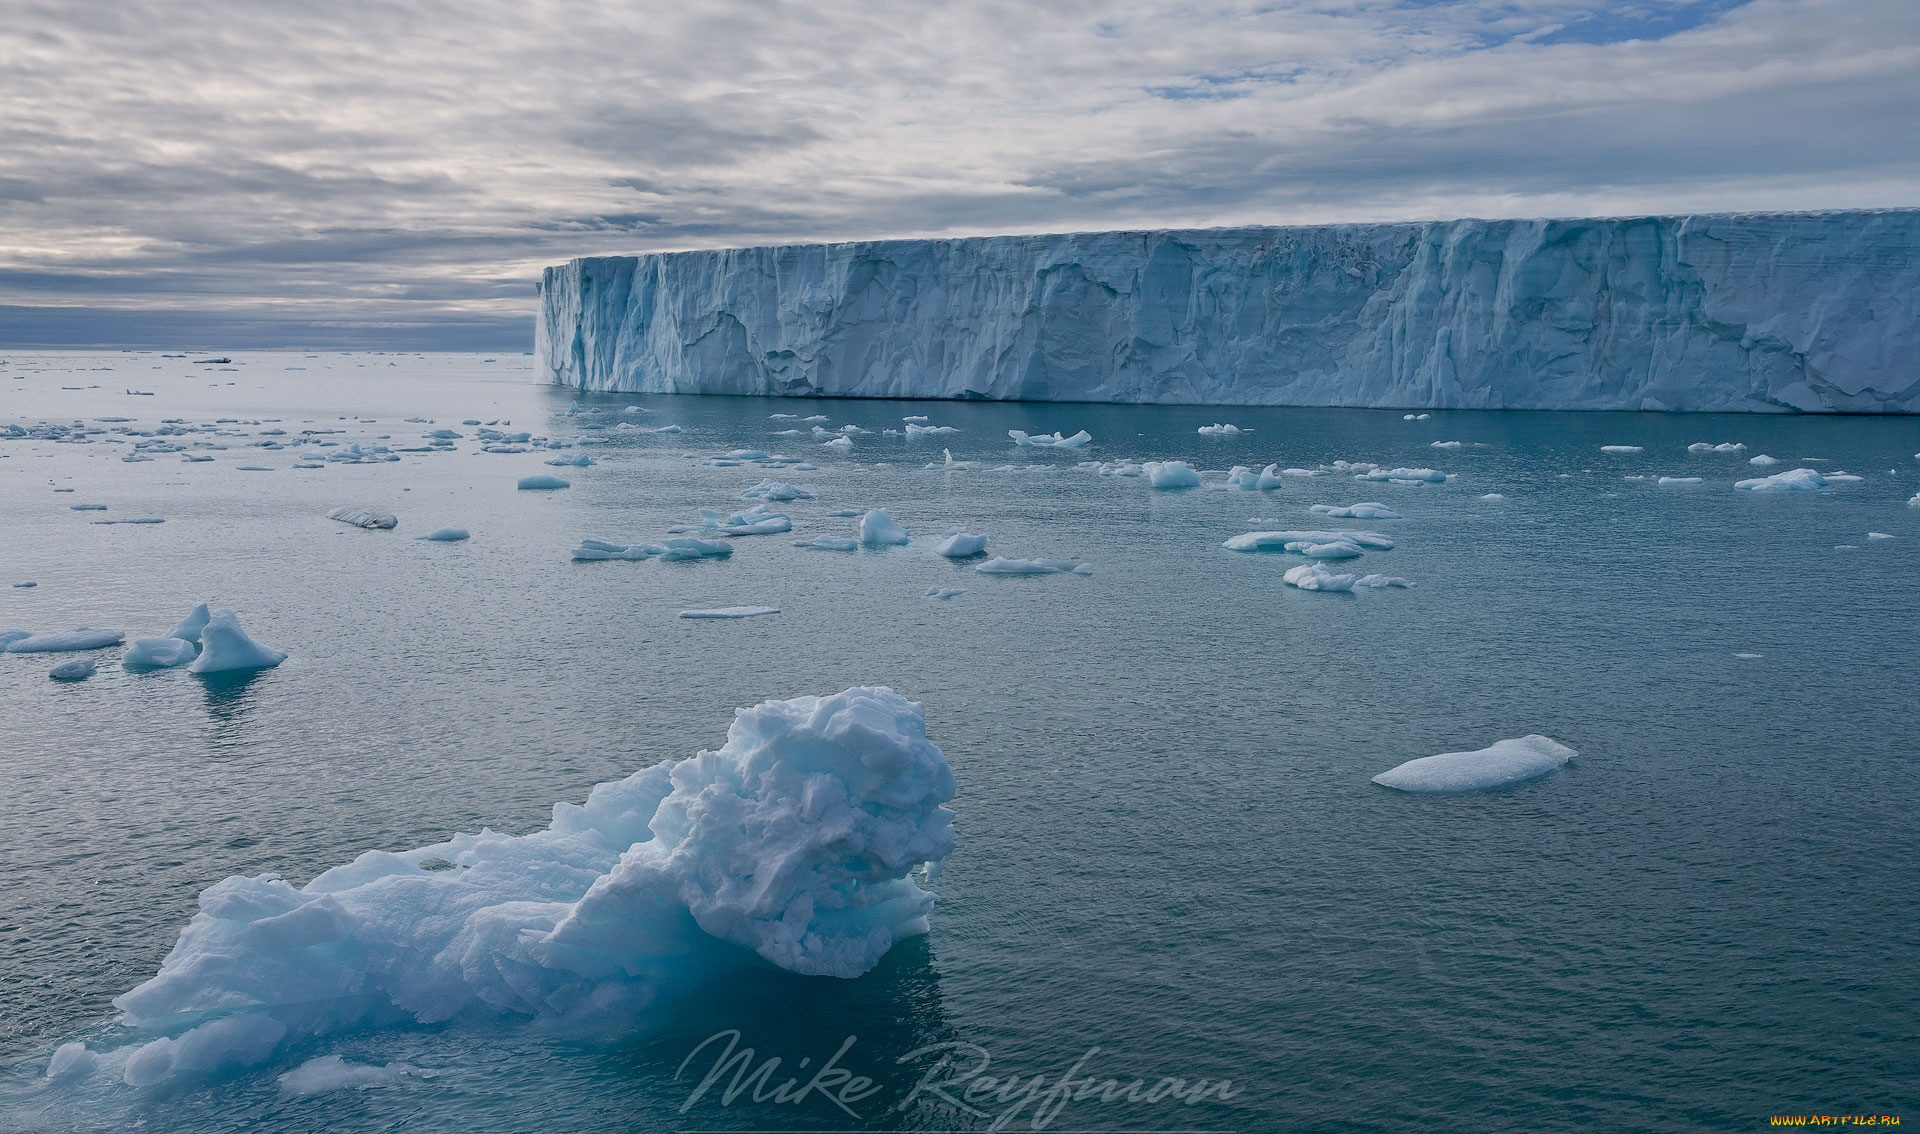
[1049, 440]
[158, 653]
[877, 529]
[1171, 474]
[999, 566]
[1500, 765]
[1405, 476]
[1295, 540]
[794, 841]
[1319, 577]
[957, 544]
[1796, 480]
[1370, 510]
[225, 647]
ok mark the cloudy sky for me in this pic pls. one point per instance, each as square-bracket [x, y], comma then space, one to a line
[216, 172]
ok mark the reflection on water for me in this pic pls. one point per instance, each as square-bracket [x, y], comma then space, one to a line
[229, 697]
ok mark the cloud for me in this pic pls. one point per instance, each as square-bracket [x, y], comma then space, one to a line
[407, 166]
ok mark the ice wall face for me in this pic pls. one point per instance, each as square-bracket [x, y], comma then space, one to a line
[1778, 312]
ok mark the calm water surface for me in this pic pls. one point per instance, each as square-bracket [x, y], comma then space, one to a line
[1170, 849]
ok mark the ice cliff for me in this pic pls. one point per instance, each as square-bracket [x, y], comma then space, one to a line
[1775, 312]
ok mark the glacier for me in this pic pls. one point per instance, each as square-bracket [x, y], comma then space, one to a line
[1757, 312]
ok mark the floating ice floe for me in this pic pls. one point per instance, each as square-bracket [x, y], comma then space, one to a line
[1416, 417]
[1369, 510]
[944, 592]
[757, 520]
[877, 529]
[225, 647]
[957, 544]
[1623, 449]
[667, 429]
[778, 491]
[828, 543]
[1681, 480]
[1493, 496]
[1049, 440]
[1500, 765]
[1797, 480]
[158, 653]
[1170, 474]
[598, 550]
[82, 639]
[839, 444]
[686, 548]
[1219, 430]
[543, 483]
[1723, 447]
[364, 518]
[1881, 535]
[79, 669]
[1297, 540]
[134, 520]
[999, 566]
[1446, 444]
[633, 899]
[915, 430]
[731, 612]
[445, 535]
[577, 461]
[325, 1073]
[1317, 577]
[88, 507]
[1763, 461]
[1405, 476]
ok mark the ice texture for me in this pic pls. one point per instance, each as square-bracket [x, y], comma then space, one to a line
[1746, 312]
[225, 647]
[1500, 765]
[364, 518]
[794, 841]
[331, 1073]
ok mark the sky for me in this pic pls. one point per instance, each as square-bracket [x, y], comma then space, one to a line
[396, 174]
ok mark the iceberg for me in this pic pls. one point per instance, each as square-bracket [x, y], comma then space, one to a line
[364, 518]
[1753, 312]
[81, 639]
[1500, 765]
[226, 648]
[794, 844]
[1219, 429]
[1049, 441]
[1797, 480]
[877, 529]
[1370, 510]
[79, 669]
[1171, 474]
[957, 544]
[188, 629]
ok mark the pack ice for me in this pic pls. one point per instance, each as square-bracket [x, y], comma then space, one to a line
[793, 844]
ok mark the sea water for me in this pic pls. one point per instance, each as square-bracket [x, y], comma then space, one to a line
[1171, 863]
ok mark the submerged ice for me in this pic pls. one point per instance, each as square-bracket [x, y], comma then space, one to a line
[793, 842]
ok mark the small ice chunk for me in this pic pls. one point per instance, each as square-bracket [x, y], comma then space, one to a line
[1317, 577]
[1723, 447]
[598, 550]
[731, 612]
[877, 529]
[1381, 582]
[1447, 445]
[1497, 766]
[1763, 461]
[445, 535]
[225, 647]
[1749, 656]
[1881, 535]
[1280, 541]
[543, 483]
[747, 455]
[1405, 476]
[577, 461]
[79, 669]
[839, 444]
[331, 1073]
[1797, 480]
[364, 518]
[828, 543]
[945, 592]
[686, 547]
[88, 507]
[914, 430]
[960, 545]
[778, 491]
[667, 429]
[81, 639]
[847, 513]
[1623, 449]
[158, 653]
[1680, 480]
[137, 520]
[1171, 474]
[1493, 496]
[999, 566]
[1369, 510]
[1054, 440]
[1219, 430]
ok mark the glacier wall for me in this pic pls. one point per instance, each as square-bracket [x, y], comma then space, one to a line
[1813, 312]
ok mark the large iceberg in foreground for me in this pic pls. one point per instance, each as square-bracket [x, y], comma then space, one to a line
[1751, 312]
[793, 842]
[1500, 765]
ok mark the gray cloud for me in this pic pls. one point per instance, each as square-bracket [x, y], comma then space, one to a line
[392, 171]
